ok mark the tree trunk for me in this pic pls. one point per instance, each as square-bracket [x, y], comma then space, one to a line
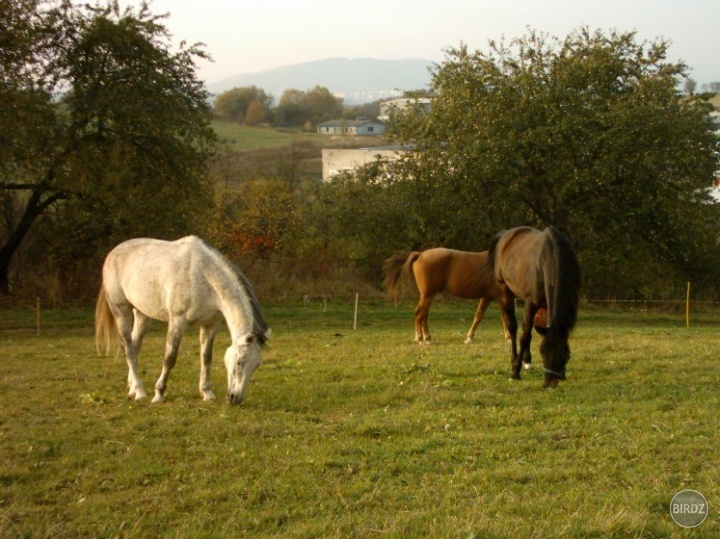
[34, 209]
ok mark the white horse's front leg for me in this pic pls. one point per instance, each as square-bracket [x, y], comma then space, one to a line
[207, 335]
[135, 387]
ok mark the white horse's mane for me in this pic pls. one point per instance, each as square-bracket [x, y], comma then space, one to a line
[260, 327]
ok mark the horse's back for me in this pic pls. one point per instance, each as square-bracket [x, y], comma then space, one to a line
[159, 278]
[456, 272]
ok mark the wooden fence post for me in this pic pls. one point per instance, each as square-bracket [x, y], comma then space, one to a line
[356, 309]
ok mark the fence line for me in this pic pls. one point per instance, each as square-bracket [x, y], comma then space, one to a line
[307, 299]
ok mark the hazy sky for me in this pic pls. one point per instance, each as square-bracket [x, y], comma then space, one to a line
[245, 36]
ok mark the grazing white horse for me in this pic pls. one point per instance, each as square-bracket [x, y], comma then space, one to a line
[184, 282]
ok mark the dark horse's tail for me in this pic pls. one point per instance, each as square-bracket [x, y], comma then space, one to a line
[398, 266]
[566, 289]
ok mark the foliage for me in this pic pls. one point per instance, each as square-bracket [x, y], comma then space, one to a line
[241, 105]
[589, 134]
[362, 433]
[106, 127]
[316, 105]
[255, 113]
[260, 221]
[365, 110]
[371, 213]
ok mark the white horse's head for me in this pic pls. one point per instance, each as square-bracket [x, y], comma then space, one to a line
[241, 360]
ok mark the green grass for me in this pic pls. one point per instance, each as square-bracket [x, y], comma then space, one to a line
[245, 137]
[362, 433]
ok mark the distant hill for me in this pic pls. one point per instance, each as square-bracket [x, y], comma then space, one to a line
[357, 80]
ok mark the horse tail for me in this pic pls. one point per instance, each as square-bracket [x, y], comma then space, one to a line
[397, 267]
[566, 285]
[105, 329]
[488, 270]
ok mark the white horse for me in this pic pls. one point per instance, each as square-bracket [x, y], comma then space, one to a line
[182, 283]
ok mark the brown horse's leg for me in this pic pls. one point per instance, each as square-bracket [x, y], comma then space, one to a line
[526, 338]
[418, 322]
[422, 311]
[506, 324]
[507, 305]
[482, 307]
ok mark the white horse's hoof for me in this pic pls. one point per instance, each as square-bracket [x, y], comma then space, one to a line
[137, 394]
[468, 340]
[527, 366]
[158, 398]
[208, 396]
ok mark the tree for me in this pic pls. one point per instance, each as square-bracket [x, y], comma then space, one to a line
[316, 105]
[101, 123]
[588, 133]
[234, 105]
[291, 111]
[255, 113]
[322, 105]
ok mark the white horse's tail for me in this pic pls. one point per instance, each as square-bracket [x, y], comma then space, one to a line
[105, 329]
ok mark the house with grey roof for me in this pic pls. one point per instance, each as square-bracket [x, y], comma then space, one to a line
[351, 127]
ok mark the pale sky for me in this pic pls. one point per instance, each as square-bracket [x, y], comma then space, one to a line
[246, 36]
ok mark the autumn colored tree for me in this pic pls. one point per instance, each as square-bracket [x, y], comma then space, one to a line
[255, 113]
[234, 105]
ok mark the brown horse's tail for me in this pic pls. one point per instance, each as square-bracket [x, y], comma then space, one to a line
[105, 329]
[397, 267]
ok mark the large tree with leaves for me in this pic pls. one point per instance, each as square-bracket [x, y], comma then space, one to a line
[589, 133]
[102, 122]
[234, 105]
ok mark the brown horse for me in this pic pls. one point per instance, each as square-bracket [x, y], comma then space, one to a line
[539, 267]
[447, 270]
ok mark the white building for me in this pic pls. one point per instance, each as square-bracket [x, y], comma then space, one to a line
[388, 108]
[335, 161]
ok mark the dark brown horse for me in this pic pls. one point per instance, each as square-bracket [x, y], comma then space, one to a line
[446, 270]
[539, 267]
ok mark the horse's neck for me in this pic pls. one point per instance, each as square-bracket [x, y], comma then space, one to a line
[234, 304]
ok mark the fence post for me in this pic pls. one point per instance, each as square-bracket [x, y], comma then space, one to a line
[687, 306]
[37, 315]
[356, 309]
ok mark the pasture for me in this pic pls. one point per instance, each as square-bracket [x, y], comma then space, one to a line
[245, 138]
[362, 433]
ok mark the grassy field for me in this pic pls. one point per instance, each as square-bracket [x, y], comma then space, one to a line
[362, 433]
[245, 137]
